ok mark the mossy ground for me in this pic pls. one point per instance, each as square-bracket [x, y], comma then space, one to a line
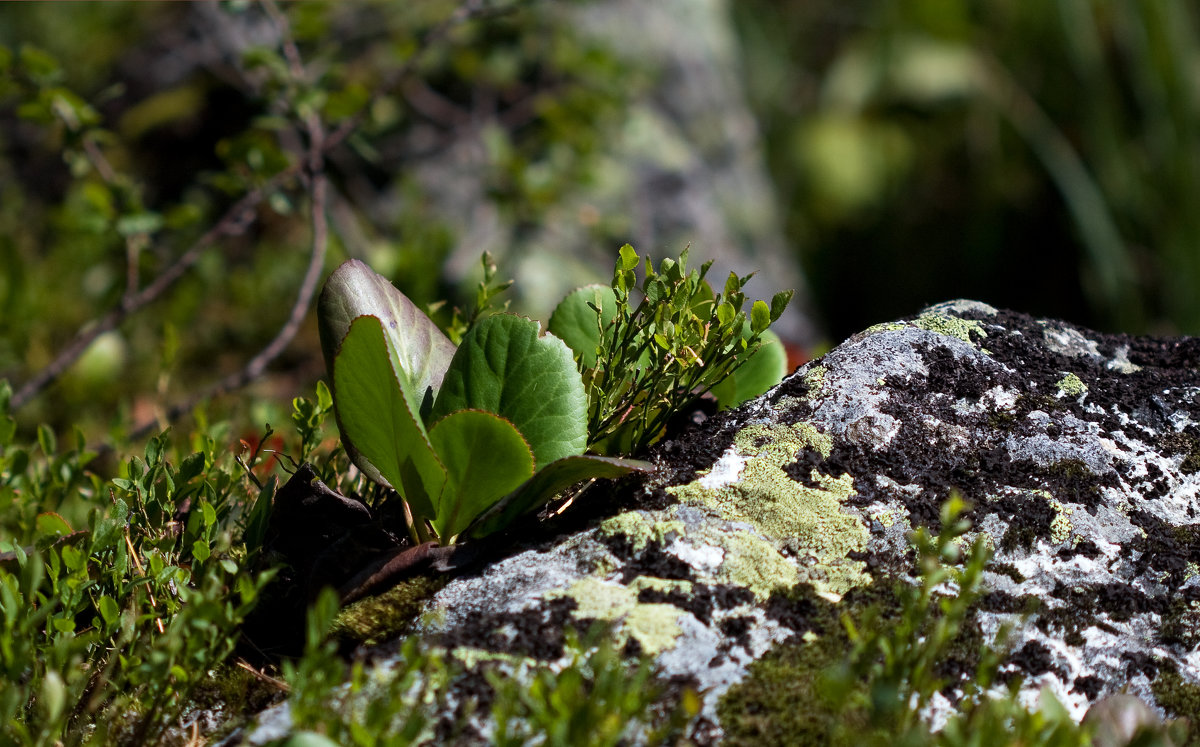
[381, 618]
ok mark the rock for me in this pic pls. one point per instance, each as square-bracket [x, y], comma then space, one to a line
[1079, 452]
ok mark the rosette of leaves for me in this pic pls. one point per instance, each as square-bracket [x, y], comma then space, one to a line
[643, 363]
[471, 437]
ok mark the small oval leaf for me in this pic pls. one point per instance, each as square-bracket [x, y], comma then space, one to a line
[763, 369]
[576, 323]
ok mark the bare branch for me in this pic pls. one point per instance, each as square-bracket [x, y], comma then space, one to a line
[234, 222]
[238, 218]
[318, 194]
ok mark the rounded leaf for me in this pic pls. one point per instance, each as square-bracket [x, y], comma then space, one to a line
[422, 351]
[504, 366]
[577, 323]
[485, 457]
[763, 369]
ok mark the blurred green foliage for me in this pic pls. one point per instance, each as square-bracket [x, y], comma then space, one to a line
[1040, 156]
[127, 131]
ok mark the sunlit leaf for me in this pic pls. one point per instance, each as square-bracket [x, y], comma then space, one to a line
[505, 367]
[485, 458]
[379, 421]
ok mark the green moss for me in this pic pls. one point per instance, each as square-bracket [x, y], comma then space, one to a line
[951, 326]
[1071, 386]
[655, 627]
[781, 700]
[808, 518]
[377, 619]
[1182, 443]
[1181, 623]
[238, 693]
[1178, 697]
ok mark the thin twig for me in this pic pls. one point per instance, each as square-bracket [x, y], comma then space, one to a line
[242, 663]
[318, 189]
[233, 223]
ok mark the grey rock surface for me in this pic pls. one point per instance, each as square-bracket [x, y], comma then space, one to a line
[1079, 451]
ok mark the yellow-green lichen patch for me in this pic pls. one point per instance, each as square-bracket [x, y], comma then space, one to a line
[654, 626]
[782, 440]
[951, 326]
[806, 516]
[1071, 386]
[814, 380]
[664, 585]
[884, 327]
[885, 518]
[471, 657]
[636, 528]
[1060, 525]
[753, 563]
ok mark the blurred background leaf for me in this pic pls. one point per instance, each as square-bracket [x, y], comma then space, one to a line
[878, 156]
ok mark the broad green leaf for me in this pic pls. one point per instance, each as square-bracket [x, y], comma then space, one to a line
[109, 610]
[379, 424]
[485, 459]
[504, 367]
[549, 482]
[576, 323]
[422, 351]
[765, 368]
[50, 524]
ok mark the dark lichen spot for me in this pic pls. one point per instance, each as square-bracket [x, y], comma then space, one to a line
[1009, 570]
[1088, 685]
[1166, 548]
[650, 560]
[699, 600]
[1029, 517]
[1034, 658]
[537, 632]
[728, 596]
[737, 630]
[1086, 548]
[1137, 662]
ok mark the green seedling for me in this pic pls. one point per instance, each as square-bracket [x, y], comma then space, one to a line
[472, 437]
[642, 363]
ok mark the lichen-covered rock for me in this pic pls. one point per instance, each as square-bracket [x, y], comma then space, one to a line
[1078, 451]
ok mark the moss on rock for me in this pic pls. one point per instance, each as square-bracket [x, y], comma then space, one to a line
[380, 618]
